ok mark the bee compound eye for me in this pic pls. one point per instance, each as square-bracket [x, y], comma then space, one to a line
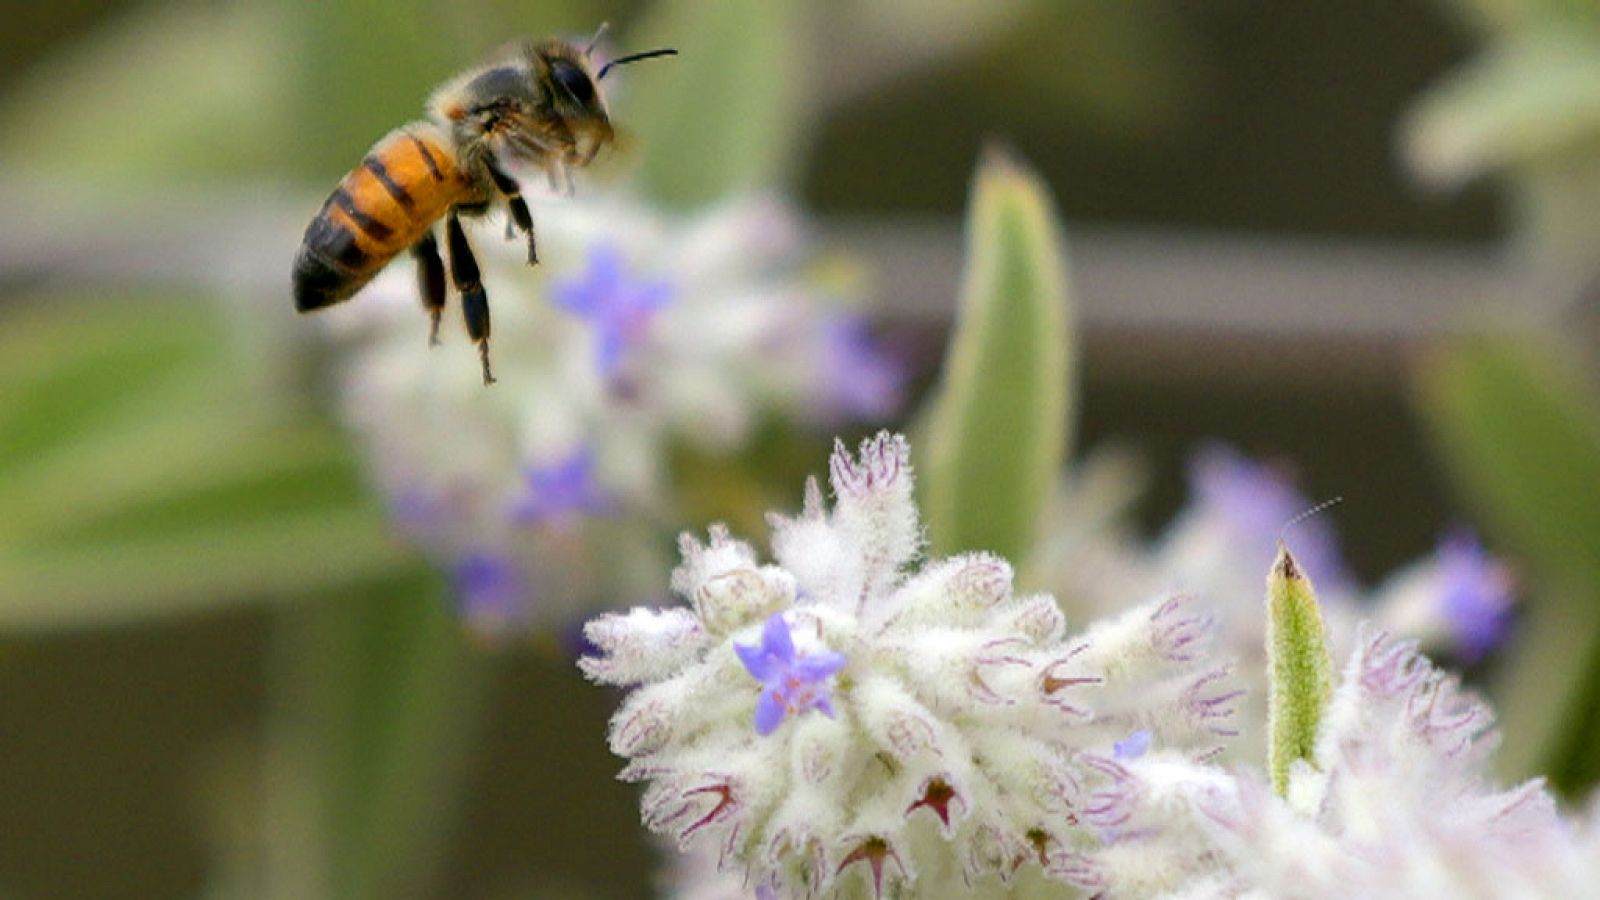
[572, 80]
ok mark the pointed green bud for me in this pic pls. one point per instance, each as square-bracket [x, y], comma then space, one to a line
[1298, 667]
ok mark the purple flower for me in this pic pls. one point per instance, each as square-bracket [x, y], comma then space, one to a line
[1133, 746]
[791, 683]
[864, 382]
[561, 492]
[619, 308]
[1257, 500]
[488, 589]
[1474, 594]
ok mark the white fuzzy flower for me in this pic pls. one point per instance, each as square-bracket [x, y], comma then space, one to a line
[1398, 802]
[636, 332]
[847, 722]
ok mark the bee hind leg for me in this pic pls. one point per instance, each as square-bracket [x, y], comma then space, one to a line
[520, 216]
[468, 281]
[430, 282]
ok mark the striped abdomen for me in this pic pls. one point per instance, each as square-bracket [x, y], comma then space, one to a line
[408, 180]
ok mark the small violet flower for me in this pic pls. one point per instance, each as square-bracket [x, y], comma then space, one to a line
[1475, 596]
[488, 589]
[619, 308]
[1133, 746]
[1458, 599]
[561, 492]
[791, 683]
[864, 381]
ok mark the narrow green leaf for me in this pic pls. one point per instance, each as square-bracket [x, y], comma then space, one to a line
[998, 427]
[1531, 96]
[108, 583]
[374, 697]
[1299, 670]
[1519, 430]
[724, 114]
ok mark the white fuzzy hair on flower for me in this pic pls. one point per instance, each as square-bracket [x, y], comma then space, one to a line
[853, 720]
[1396, 802]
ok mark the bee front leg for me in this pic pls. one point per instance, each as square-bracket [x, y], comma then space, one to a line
[508, 186]
[430, 282]
[469, 283]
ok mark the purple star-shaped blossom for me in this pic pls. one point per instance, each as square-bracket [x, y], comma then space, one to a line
[560, 493]
[791, 683]
[1474, 595]
[1257, 500]
[488, 589]
[864, 382]
[619, 308]
[1133, 746]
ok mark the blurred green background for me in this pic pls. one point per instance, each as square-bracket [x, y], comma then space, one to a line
[221, 676]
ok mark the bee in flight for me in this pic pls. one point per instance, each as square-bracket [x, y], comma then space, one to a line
[539, 105]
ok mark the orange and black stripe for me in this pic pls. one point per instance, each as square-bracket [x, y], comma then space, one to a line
[385, 205]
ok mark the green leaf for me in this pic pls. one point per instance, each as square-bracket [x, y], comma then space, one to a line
[143, 472]
[1530, 97]
[374, 699]
[724, 114]
[177, 89]
[1519, 429]
[997, 431]
[1299, 671]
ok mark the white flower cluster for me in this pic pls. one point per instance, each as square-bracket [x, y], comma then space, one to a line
[849, 722]
[636, 331]
[1397, 802]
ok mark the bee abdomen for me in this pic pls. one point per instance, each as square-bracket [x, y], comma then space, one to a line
[380, 208]
[330, 266]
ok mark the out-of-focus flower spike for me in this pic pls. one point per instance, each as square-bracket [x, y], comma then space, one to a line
[1299, 670]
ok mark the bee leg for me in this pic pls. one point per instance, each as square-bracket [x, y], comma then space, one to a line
[468, 281]
[430, 282]
[519, 208]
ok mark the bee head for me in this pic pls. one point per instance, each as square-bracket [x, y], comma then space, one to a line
[573, 87]
[571, 95]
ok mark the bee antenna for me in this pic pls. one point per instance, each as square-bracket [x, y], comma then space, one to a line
[1306, 515]
[598, 32]
[634, 57]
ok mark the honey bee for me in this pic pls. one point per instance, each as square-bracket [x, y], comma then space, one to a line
[540, 105]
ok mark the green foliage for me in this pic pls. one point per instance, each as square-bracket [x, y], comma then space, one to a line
[175, 91]
[998, 428]
[723, 115]
[372, 720]
[1520, 431]
[143, 475]
[1527, 106]
[1299, 671]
